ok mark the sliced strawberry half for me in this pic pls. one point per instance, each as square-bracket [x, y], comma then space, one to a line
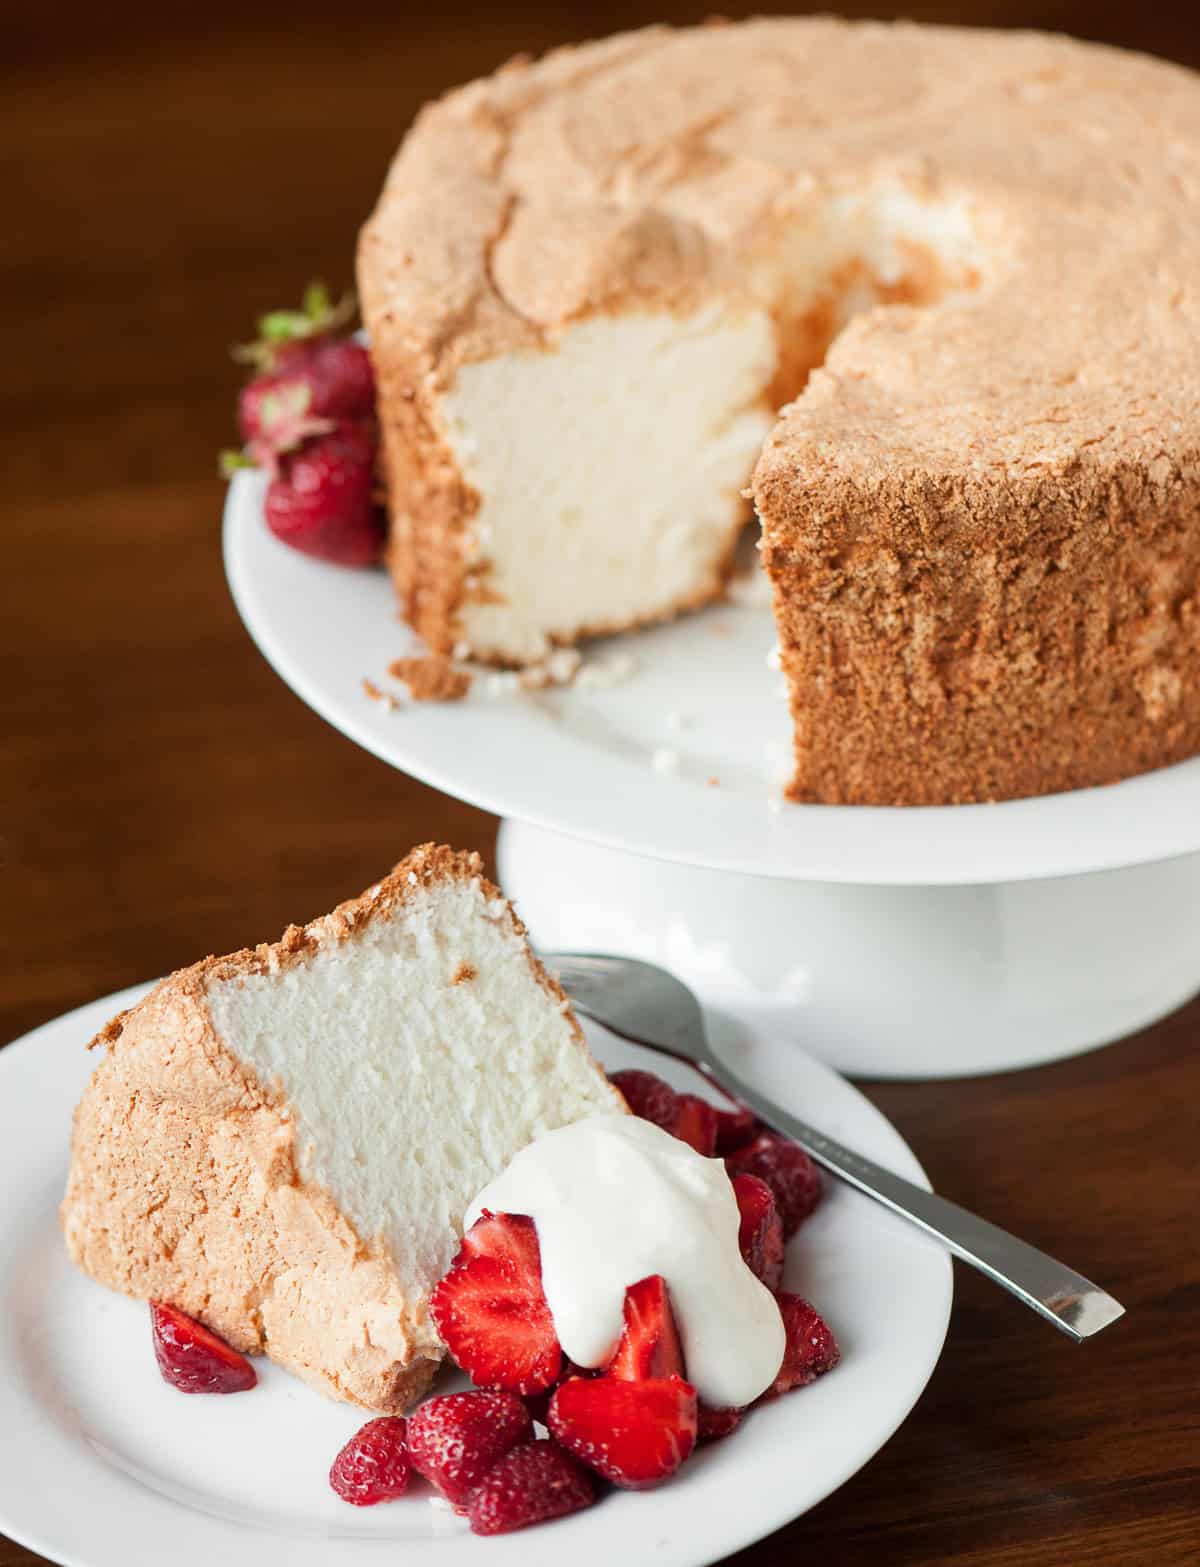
[454, 1440]
[696, 1124]
[491, 1311]
[787, 1170]
[635, 1434]
[649, 1346]
[811, 1349]
[648, 1097]
[712, 1424]
[538, 1404]
[193, 1359]
[760, 1235]
[735, 1128]
[527, 1486]
[374, 1465]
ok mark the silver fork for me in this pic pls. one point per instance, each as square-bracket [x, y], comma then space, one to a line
[648, 1005]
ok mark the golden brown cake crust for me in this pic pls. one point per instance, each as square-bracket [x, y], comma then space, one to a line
[184, 1183]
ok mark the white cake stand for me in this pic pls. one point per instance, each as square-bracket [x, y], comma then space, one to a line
[644, 818]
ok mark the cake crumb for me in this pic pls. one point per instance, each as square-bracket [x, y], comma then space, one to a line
[712, 783]
[601, 674]
[664, 760]
[775, 805]
[464, 973]
[376, 694]
[502, 683]
[559, 669]
[432, 678]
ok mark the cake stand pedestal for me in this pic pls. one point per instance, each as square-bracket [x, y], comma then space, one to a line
[884, 981]
[641, 816]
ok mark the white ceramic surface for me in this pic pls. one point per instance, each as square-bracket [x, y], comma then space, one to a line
[883, 981]
[115, 1469]
[579, 762]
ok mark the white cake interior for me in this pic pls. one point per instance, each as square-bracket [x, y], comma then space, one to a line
[609, 470]
[411, 1091]
[610, 467]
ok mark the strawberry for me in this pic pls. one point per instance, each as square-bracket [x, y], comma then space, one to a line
[635, 1434]
[696, 1124]
[529, 1485]
[648, 1097]
[713, 1424]
[193, 1359]
[735, 1128]
[321, 500]
[374, 1465]
[491, 1311]
[329, 378]
[286, 338]
[538, 1404]
[454, 1440]
[811, 1348]
[760, 1236]
[787, 1170]
[649, 1346]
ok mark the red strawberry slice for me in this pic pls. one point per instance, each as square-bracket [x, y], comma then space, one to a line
[193, 1359]
[648, 1097]
[635, 1434]
[538, 1404]
[760, 1236]
[811, 1348]
[649, 1346]
[491, 1311]
[321, 501]
[787, 1170]
[529, 1485]
[713, 1424]
[696, 1123]
[454, 1441]
[735, 1128]
[373, 1466]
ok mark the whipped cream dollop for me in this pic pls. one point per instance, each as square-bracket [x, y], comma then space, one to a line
[614, 1199]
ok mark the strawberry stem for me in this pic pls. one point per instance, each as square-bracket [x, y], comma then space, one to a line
[228, 462]
[318, 316]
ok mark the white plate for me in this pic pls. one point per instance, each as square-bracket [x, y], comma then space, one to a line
[115, 1469]
[580, 762]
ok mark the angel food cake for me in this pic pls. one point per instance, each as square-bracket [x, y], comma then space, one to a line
[283, 1142]
[929, 296]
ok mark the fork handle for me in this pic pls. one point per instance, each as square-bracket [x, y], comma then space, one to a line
[1075, 1305]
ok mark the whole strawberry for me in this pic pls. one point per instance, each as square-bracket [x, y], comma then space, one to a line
[325, 378]
[307, 417]
[321, 498]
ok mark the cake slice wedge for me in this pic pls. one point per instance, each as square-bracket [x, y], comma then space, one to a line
[283, 1142]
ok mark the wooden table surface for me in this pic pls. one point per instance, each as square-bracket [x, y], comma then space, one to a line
[169, 172]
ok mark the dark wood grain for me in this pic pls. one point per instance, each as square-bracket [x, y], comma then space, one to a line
[168, 172]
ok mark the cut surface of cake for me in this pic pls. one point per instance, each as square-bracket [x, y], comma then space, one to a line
[283, 1142]
[962, 265]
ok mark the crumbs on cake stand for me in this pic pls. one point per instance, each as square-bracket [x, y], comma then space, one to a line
[433, 677]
